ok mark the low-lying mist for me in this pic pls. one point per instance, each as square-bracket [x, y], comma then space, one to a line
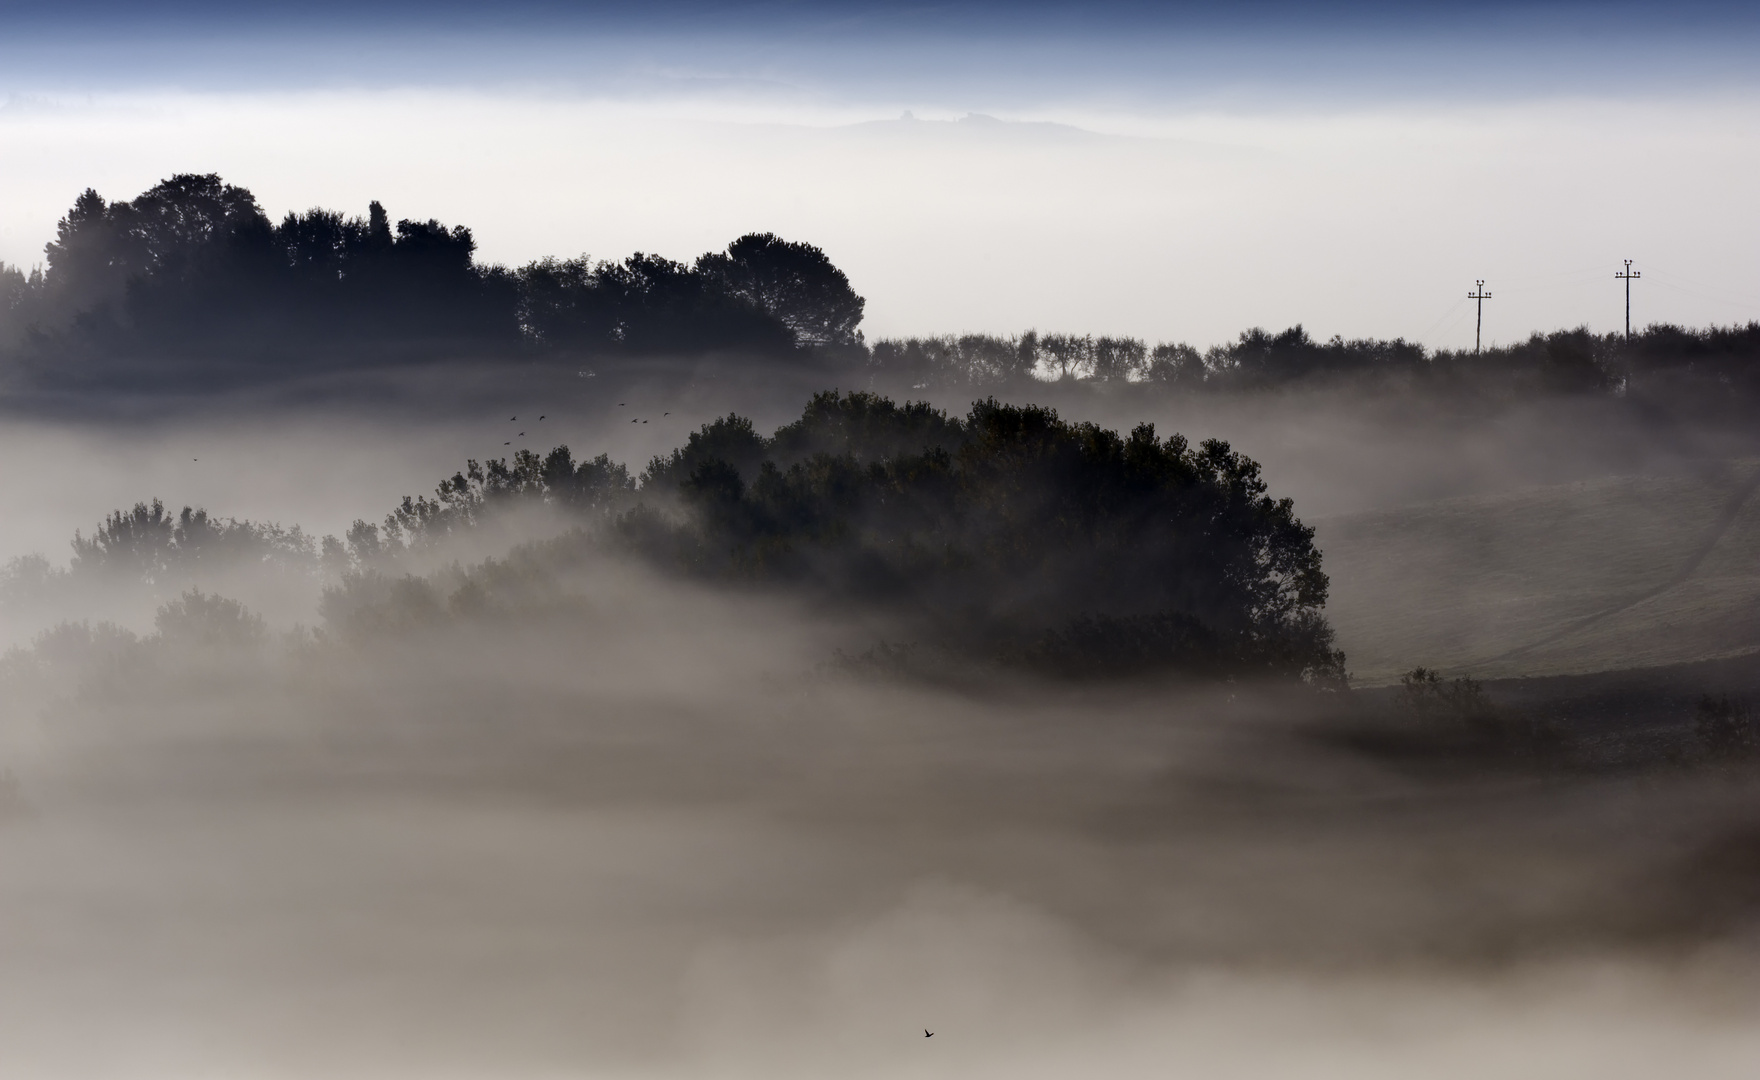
[631, 821]
[657, 835]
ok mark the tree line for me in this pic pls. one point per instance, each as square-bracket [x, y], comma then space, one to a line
[1005, 536]
[1658, 360]
[193, 271]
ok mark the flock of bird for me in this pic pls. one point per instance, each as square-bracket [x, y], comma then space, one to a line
[521, 435]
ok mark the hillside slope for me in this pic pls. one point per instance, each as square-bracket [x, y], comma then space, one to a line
[1611, 573]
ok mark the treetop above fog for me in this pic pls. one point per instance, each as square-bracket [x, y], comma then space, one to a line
[194, 267]
[1007, 532]
[190, 286]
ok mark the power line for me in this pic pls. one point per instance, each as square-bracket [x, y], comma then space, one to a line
[1431, 329]
[1628, 277]
[1721, 294]
[1479, 323]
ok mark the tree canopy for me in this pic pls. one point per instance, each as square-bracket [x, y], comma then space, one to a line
[1008, 534]
[192, 268]
[1005, 529]
[192, 272]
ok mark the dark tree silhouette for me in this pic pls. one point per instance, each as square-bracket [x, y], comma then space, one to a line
[1010, 535]
[1005, 527]
[793, 282]
[190, 281]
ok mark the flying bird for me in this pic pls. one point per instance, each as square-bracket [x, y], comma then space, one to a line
[522, 434]
[512, 418]
[644, 421]
[540, 416]
[927, 1034]
[665, 414]
[506, 444]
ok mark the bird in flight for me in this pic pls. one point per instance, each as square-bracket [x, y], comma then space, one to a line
[665, 414]
[522, 434]
[511, 418]
[506, 444]
[540, 416]
[927, 1034]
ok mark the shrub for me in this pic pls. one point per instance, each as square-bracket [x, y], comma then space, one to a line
[1428, 696]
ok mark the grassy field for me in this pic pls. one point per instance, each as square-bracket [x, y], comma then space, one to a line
[1631, 571]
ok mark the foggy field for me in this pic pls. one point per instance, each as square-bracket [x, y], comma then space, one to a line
[637, 825]
[1512, 584]
[654, 839]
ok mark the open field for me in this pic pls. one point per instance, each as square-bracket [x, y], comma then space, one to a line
[1627, 571]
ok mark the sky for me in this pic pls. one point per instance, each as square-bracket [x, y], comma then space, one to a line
[1178, 172]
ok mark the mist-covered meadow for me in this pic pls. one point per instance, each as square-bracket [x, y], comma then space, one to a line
[525, 799]
[420, 667]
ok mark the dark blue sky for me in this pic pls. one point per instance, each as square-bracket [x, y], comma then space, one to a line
[1018, 51]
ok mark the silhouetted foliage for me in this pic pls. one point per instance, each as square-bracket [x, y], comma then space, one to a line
[1009, 535]
[1011, 530]
[148, 544]
[1431, 698]
[1712, 370]
[644, 305]
[467, 499]
[192, 272]
[791, 282]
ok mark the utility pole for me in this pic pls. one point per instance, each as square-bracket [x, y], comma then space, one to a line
[1480, 295]
[1628, 277]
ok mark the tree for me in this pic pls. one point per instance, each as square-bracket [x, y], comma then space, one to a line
[794, 282]
[87, 265]
[162, 231]
[1005, 531]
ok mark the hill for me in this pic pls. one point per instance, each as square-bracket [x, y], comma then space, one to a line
[1620, 572]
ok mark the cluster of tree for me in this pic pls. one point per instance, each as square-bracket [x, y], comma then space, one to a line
[588, 490]
[977, 361]
[148, 553]
[1661, 359]
[1009, 534]
[193, 268]
[150, 545]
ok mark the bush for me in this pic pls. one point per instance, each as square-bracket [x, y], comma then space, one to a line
[1426, 695]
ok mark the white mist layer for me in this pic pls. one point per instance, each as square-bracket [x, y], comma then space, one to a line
[649, 834]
